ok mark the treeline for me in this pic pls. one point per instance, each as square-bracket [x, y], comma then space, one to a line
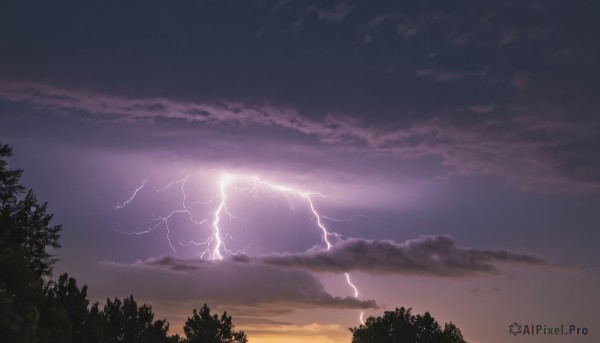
[401, 325]
[34, 308]
[61, 312]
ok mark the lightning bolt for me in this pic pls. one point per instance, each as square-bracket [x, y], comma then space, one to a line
[164, 220]
[356, 293]
[215, 247]
[216, 254]
[119, 206]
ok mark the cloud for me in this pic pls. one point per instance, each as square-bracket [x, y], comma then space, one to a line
[324, 85]
[483, 108]
[279, 5]
[445, 75]
[404, 26]
[383, 18]
[172, 280]
[406, 31]
[480, 108]
[257, 296]
[476, 26]
[335, 15]
[427, 255]
[512, 149]
[520, 81]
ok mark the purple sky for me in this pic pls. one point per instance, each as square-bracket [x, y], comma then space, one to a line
[464, 135]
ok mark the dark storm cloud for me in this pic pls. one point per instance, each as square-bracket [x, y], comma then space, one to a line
[174, 280]
[311, 56]
[426, 255]
[496, 87]
[533, 152]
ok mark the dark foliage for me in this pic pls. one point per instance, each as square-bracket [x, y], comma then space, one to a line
[25, 230]
[125, 322]
[402, 326]
[25, 237]
[202, 327]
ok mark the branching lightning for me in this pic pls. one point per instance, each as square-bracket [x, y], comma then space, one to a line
[137, 190]
[215, 247]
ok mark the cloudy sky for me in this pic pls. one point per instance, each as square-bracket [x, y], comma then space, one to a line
[446, 152]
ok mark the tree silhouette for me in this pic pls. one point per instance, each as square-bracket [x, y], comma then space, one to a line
[125, 322]
[25, 228]
[401, 326]
[202, 327]
[64, 312]
[25, 236]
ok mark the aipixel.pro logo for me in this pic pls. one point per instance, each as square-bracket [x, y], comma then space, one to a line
[546, 330]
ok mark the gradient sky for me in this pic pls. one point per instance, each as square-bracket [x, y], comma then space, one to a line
[463, 133]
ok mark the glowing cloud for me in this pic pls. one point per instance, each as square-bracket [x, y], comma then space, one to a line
[214, 247]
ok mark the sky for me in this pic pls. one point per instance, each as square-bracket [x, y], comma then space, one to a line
[443, 155]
